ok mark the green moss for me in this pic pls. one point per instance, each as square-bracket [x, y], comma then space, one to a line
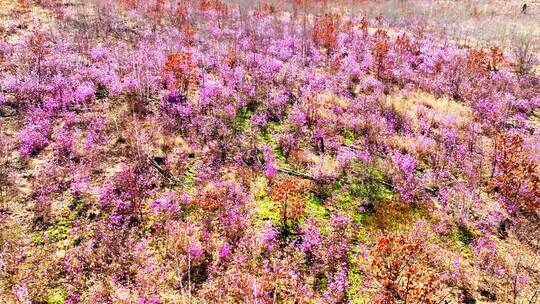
[321, 282]
[467, 252]
[78, 208]
[354, 292]
[265, 208]
[37, 238]
[358, 197]
[422, 167]
[189, 179]
[267, 137]
[56, 296]
[463, 236]
[241, 122]
[350, 204]
[59, 230]
[372, 187]
[315, 208]
[349, 137]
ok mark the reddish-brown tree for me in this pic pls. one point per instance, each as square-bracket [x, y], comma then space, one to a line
[325, 30]
[517, 175]
[400, 269]
[290, 194]
[183, 69]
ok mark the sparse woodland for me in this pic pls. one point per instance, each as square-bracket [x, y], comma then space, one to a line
[292, 151]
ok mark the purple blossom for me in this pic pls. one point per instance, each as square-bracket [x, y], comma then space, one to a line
[165, 204]
[84, 92]
[337, 286]
[270, 238]
[224, 251]
[148, 191]
[195, 252]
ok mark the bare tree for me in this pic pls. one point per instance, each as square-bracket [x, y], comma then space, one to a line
[524, 47]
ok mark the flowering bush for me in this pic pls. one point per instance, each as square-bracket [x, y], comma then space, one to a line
[203, 151]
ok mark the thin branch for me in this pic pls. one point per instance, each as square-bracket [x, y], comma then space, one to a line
[162, 172]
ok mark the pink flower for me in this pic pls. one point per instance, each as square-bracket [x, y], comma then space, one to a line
[270, 170]
[84, 92]
[195, 252]
[224, 251]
